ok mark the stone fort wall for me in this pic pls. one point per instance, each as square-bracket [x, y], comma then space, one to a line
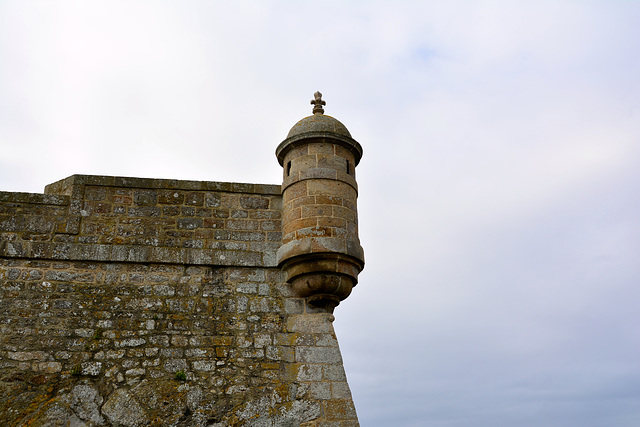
[136, 302]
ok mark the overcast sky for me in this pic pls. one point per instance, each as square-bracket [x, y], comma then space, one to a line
[499, 189]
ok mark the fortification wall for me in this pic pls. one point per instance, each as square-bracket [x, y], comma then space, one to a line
[132, 302]
[98, 218]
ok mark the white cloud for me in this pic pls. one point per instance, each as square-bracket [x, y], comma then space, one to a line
[498, 187]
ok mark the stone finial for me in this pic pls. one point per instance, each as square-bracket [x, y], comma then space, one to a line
[318, 103]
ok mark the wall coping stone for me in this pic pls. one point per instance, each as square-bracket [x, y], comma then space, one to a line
[27, 231]
[62, 186]
[34, 198]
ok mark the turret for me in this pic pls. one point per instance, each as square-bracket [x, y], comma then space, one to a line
[320, 252]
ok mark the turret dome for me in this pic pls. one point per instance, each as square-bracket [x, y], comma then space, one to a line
[318, 123]
[319, 126]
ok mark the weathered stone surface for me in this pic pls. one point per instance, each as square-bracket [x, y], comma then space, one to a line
[152, 302]
[141, 220]
[56, 415]
[122, 410]
[133, 327]
[85, 401]
[319, 214]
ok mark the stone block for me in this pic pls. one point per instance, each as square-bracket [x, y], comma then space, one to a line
[172, 352]
[345, 213]
[242, 225]
[115, 354]
[121, 200]
[294, 306]
[159, 340]
[316, 210]
[175, 365]
[340, 390]
[203, 365]
[334, 373]
[320, 390]
[85, 402]
[12, 223]
[329, 355]
[265, 214]
[299, 224]
[278, 353]
[179, 341]
[310, 323]
[332, 222]
[300, 201]
[247, 236]
[91, 368]
[294, 191]
[254, 202]
[27, 355]
[339, 410]
[247, 288]
[131, 342]
[136, 372]
[196, 352]
[212, 200]
[194, 199]
[309, 373]
[242, 188]
[324, 187]
[326, 340]
[145, 197]
[189, 223]
[305, 339]
[320, 172]
[221, 213]
[144, 211]
[293, 214]
[121, 409]
[261, 340]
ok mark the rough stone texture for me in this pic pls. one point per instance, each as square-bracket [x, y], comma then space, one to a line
[108, 290]
[123, 410]
[85, 402]
[151, 302]
[117, 219]
[320, 251]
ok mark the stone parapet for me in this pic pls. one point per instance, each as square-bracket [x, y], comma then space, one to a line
[100, 218]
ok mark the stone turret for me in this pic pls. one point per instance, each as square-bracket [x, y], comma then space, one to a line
[320, 252]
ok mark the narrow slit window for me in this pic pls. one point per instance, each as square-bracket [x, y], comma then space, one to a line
[288, 167]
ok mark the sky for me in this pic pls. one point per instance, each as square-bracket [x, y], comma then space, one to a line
[499, 200]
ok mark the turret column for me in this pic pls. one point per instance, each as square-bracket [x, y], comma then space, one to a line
[320, 252]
